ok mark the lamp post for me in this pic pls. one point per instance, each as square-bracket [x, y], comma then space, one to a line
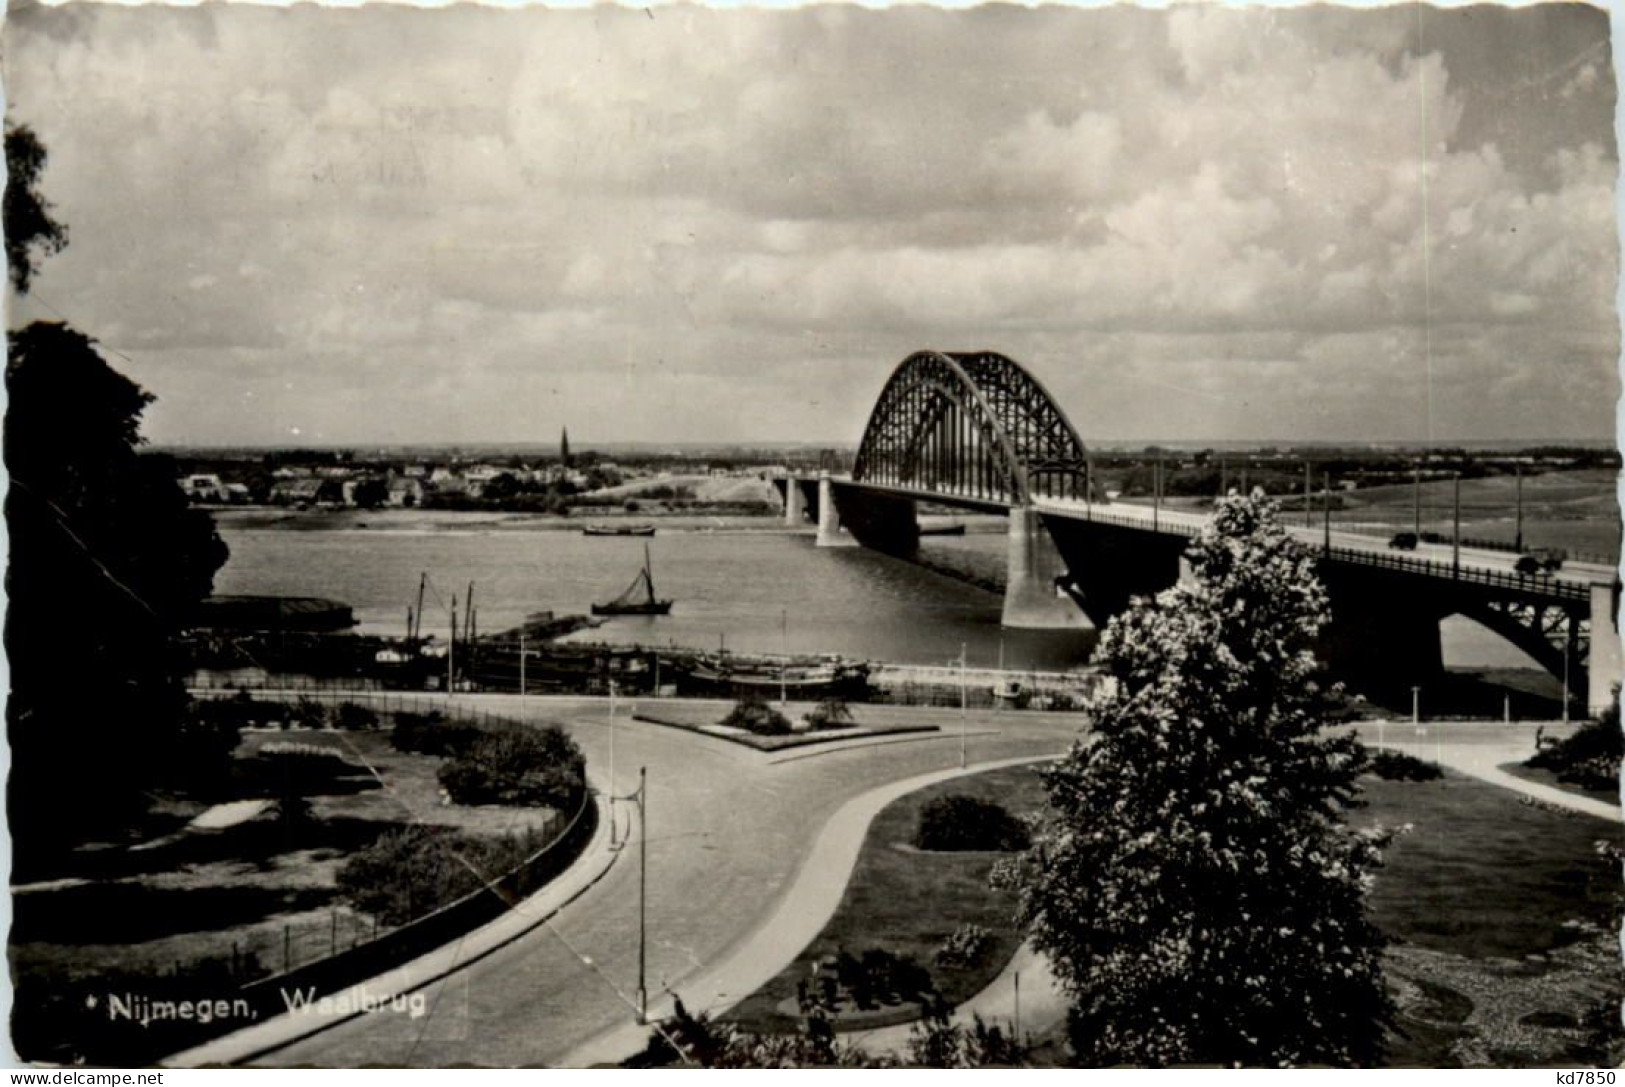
[612, 832]
[1517, 540]
[1566, 656]
[451, 651]
[964, 705]
[1308, 499]
[643, 887]
[1416, 501]
[521, 671]
[1326, 513]
[1455, 530]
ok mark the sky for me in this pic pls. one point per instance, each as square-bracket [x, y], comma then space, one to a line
[393, 225]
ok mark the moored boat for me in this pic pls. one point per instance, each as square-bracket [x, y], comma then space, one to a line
[618, 530]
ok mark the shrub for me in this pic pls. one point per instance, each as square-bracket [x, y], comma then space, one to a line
[959, 822]
[238, 711]
[306, 713]
[287, 769]
[753, 715]
[431, 734]
[415, 870]
[410, 730]
[353, 715]
[1397, 766]
[831, 713]
[964, 947]
[528, 767]
[1590, 757]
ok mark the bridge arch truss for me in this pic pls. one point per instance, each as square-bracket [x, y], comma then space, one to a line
[972, 425]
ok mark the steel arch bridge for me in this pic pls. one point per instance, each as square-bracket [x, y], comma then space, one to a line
[972, 425]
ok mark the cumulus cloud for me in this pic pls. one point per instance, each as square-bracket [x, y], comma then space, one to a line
[1205, 223]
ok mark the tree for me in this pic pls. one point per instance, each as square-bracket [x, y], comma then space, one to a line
[371, 493]
[107, 566]
[519, 766]
[1195, 885]
[27, 214]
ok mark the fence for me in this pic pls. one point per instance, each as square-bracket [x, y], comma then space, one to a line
[418, 937]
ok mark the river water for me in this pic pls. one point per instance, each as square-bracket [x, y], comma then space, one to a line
[745, 583]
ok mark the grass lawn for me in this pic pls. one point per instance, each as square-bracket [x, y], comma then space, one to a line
[704, 717]
[908, 902]
[1550, 779]
[224, 906]
[1499, 915]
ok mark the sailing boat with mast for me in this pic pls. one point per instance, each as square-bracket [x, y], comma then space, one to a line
[634, 602]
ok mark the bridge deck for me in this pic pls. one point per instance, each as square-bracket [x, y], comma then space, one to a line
[1573, 581]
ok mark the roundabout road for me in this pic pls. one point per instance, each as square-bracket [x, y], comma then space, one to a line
[729, 834]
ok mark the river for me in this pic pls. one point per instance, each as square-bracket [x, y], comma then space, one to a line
[746, 583]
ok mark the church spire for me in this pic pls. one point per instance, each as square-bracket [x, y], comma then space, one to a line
[564, 447]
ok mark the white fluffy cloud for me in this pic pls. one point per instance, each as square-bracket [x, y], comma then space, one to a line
[1207, 223]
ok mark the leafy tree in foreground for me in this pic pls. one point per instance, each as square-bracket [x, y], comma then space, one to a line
[1196, 886]
[106, 566]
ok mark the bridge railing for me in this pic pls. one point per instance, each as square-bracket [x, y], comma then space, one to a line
[1541, 585]
[1535, 585]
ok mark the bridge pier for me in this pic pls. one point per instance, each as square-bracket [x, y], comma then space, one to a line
[1033, 599]
[1380, 640]
[795, 502]
[1605, 667]
[829, 518]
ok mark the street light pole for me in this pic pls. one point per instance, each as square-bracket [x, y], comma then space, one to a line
[521, 671]
[1416, 501]
[451, 651]
[1326, 513]
[964, 705]
[1566, 656]
[612, 832]
[643, 887]
[1308, 499]
[1517, 541]
[1455, 531]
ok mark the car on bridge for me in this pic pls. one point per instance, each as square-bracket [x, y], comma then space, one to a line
[1542, 560]
[1403, 541]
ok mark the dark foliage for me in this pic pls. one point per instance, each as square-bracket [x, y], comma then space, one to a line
[753, 715]
[831, 713]
[1398, 766]
[431, 734]
[353, 715]
[416, 870]
[107, 564]
[959, 822]
[1590, 757]
[28, 222]
[527, 767]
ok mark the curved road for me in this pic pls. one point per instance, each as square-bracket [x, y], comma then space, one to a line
[730, 829]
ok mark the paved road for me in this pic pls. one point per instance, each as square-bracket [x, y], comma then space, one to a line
[729, 831]
[1472, 559]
